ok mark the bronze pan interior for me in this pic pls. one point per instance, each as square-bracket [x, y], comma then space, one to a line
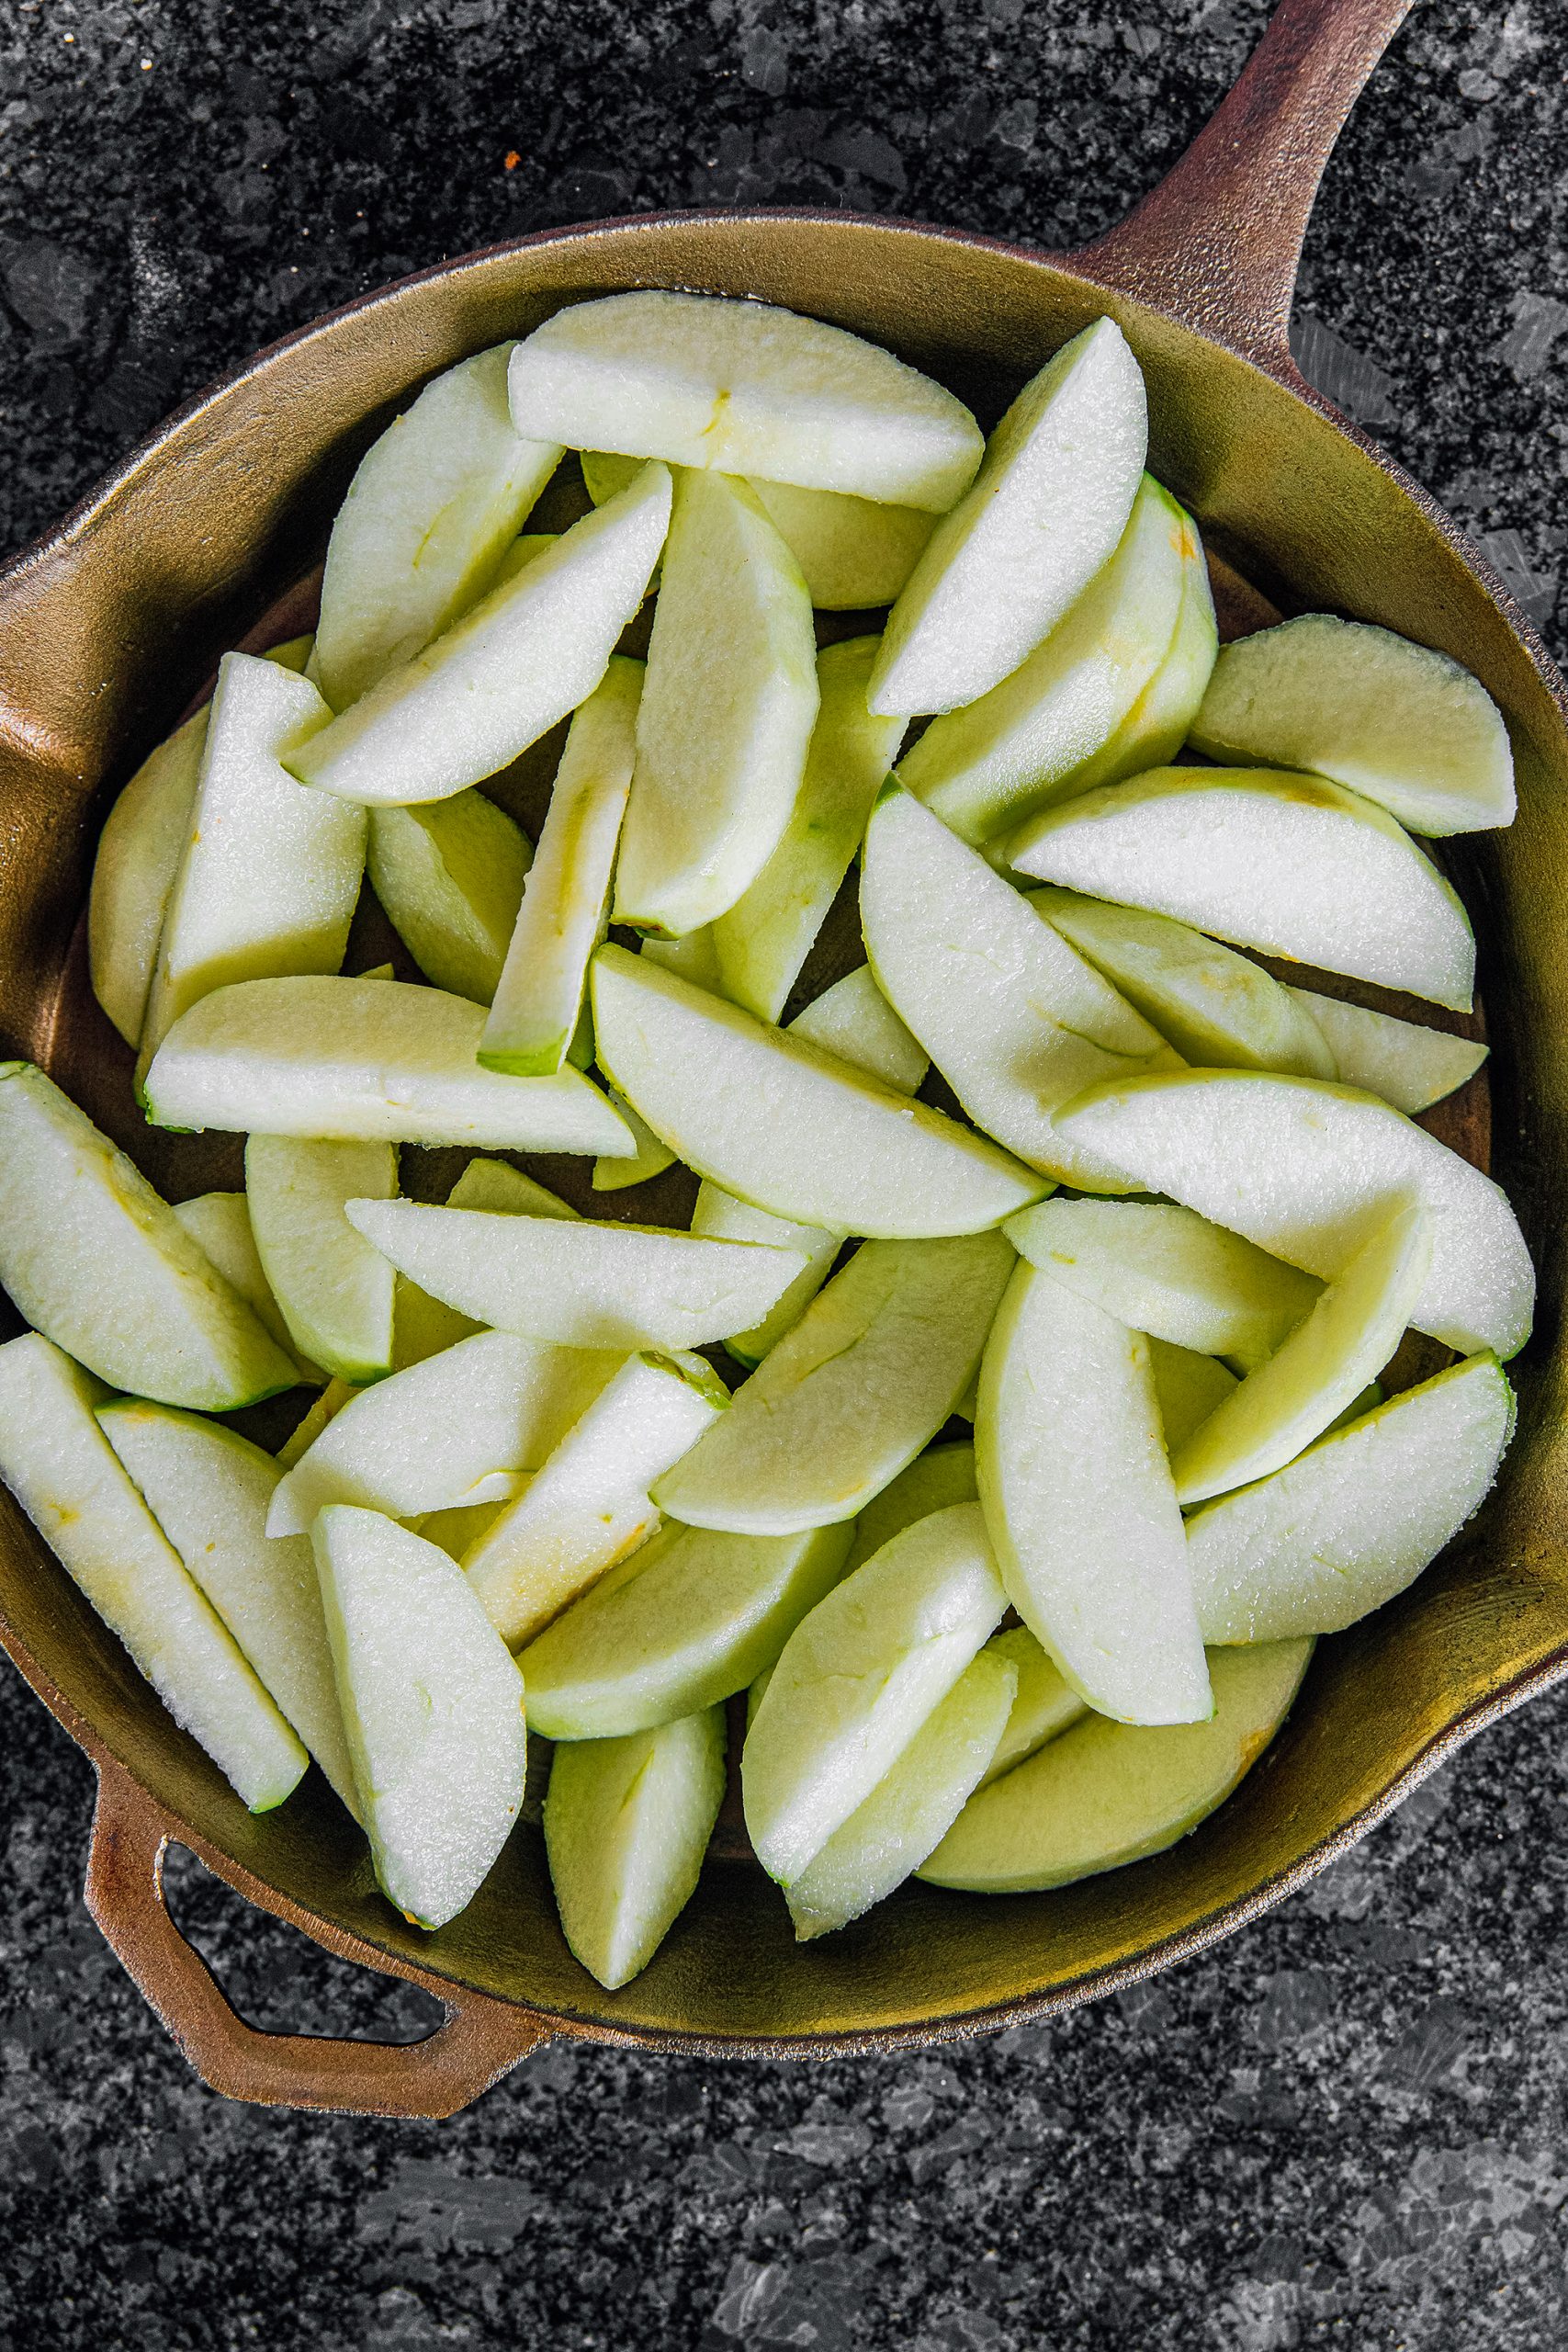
[108, 626]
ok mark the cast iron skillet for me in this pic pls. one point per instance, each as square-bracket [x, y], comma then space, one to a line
[107, 626]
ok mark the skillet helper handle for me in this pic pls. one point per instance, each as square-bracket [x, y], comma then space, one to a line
[479, 2041]
[1218, 243]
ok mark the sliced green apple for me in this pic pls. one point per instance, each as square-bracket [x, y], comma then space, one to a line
[1219, 1011]
[1169, 1271]
[935, 1480]
[1354, 1521]
[139, 854]
[72, 1485]
[428, 517]
[588, 1505]
[858, 1678]
[1308, 1172]
[431, 1705]
[99, 1264]
[986, 766]
[617, 1172]
[723, 1218]
[1012, 1016]
[744, 388]
[764, 938]
[626, 1826]
[694, 958]
[1405, 726]
[308, 1429]
[855, 554]
[270, 874]
[1045, 511]
[583, 1283]
[727, 712]
[688, 1619]
[1155, 727]
[909, 1812]
[334, 1289]
[853, 1020]
[374, 1061]
[1109, 1793]
[1043, 1704]
[524, 656]
[449, 876]
[566, 899]
[220, 1223]
[848, 1398]
[1277, 1411]
[1406, 1065]
[785, 1126]
[1078, 1501]
[423, 1326]
[209, 1490]
[1188, 1388]
[444, 1433]
[1292, 865]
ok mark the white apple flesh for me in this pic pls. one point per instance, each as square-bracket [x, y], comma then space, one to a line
[334, 1291]
[449, 876]
[1406, 1065]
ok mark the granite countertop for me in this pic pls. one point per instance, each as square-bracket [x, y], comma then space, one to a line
[1344, 2125]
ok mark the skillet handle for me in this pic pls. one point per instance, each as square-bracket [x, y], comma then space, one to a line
[1218, 243]
[479, 2040]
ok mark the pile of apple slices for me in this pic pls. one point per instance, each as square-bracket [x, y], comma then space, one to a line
[1002, 1663]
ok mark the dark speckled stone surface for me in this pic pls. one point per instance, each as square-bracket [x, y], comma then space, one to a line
[1347, 2126]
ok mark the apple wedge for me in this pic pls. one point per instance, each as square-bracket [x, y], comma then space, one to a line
[1155, 727]
[524, 656]
[848, 1398]
[431, 510]
[1292, 865]
[763, 940]
[577, 1282]
[1076, 1492]
[693, 958]
[1400, 724]
[588, 1505]
[720, 1216]
[626, 1826]
[1012, 1016]
[858, 1678]
[1045, 511]
[1109, 1793]
[855, 554]
[566, 898]
[617, 1172]
[906, 1815]
[1309, 1172]
[690, 1618]
[221, 1224]
[986, 766]
[1219, 1011]
[451, 1431]
[1277, 1410]
[1169, 1271]
[270, 874]
[744, 388]
[335, 1290]
[139, 854]
[854, 1021]
[1406, 1065]
[209, 1490]
[1354, 1521]
[432, 1707]
[935, 1480]
[1043, 1704]
[727, 712]
[371, 1061]
[1188, 1388]
[785, 1126]
[309, 1427]
[66, 1477]
[99, 1264]
[449, 878]
[423, 1326]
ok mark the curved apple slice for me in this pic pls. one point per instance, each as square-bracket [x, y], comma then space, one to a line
[1155, 727]
[935, 1480]
[847, 1399]
[858, 1678]
[743, 387]
[449, 878]
[1409, 1066]
[785, 1126]
[139, 855]
[1309, 1172]
[1405, 726]
[1046, 509]
[1108, 1793]
[220, 1223]
[334, 1291]
[1077, 1490]
[1350, 1523]
[1044, 1703]
[1292, 865]
[1188, 1388]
